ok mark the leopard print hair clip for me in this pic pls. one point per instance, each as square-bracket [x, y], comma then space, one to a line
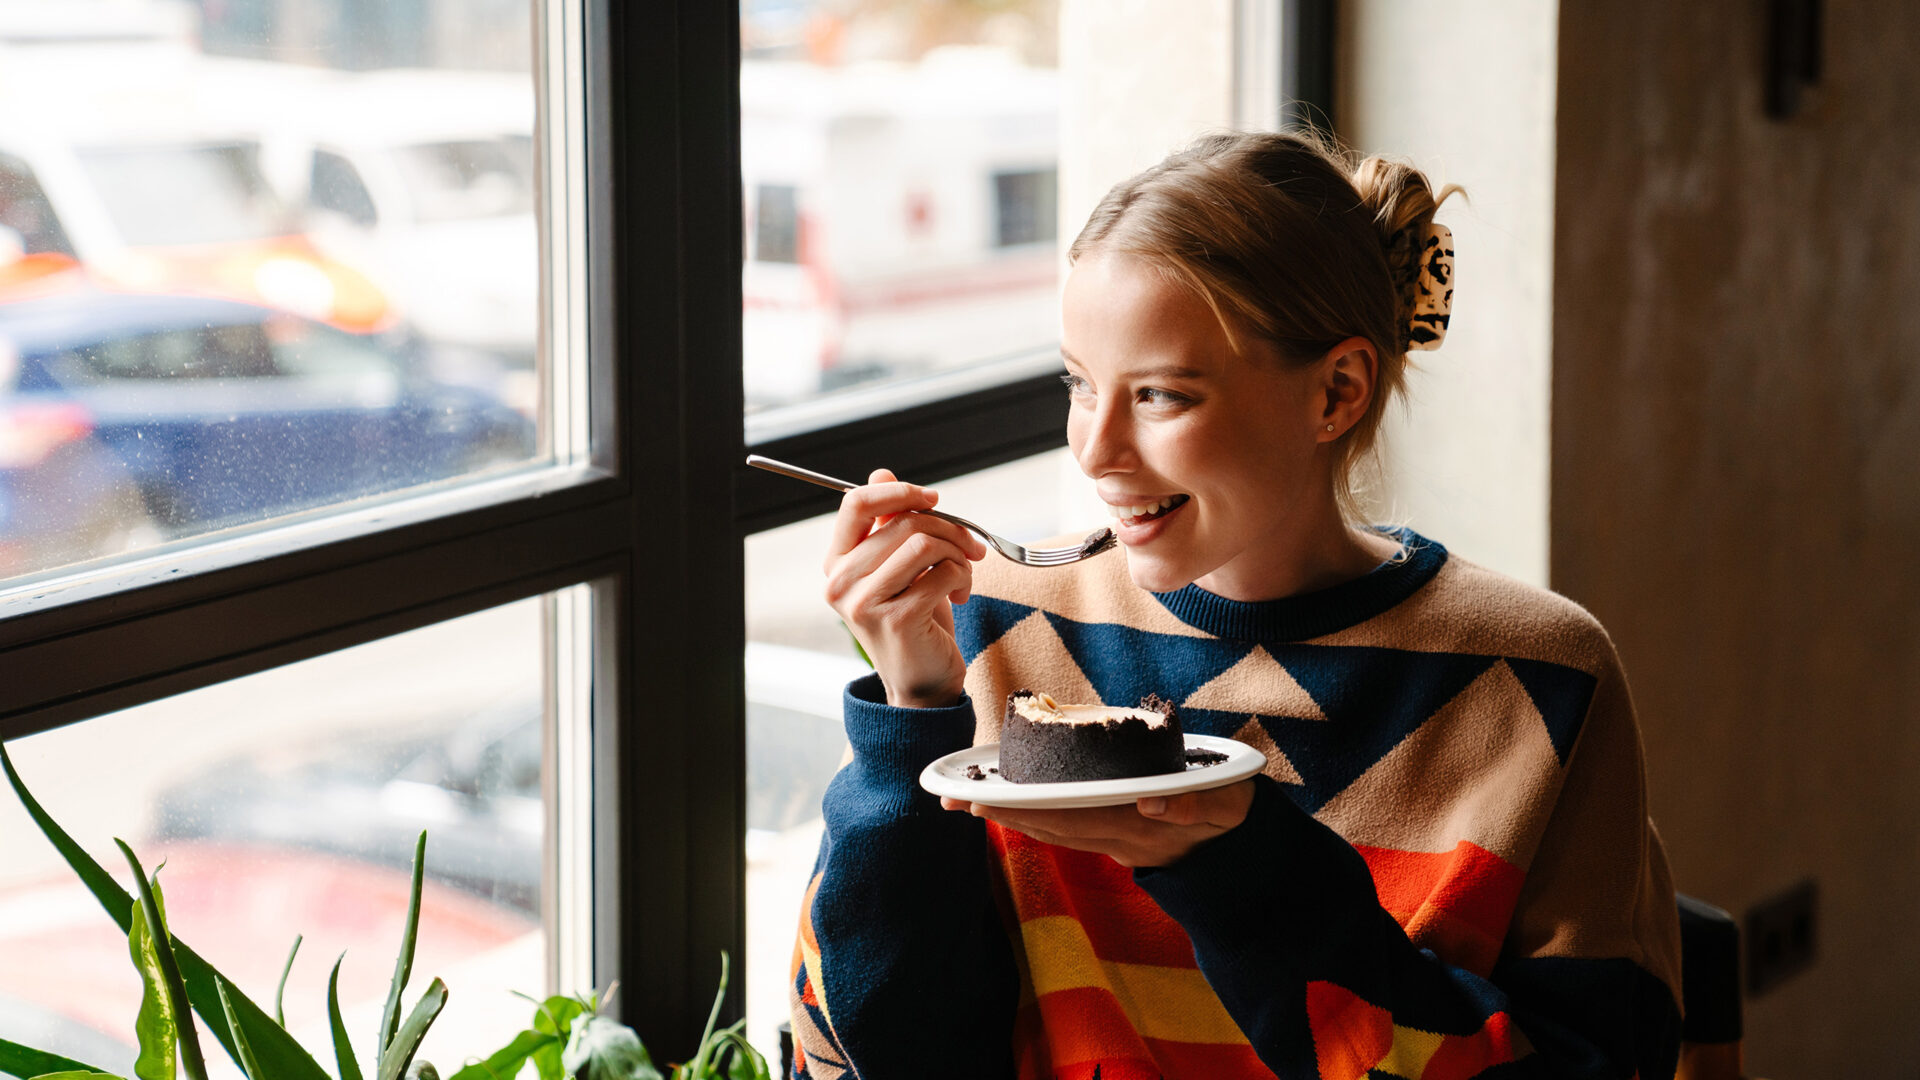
[1432, 290]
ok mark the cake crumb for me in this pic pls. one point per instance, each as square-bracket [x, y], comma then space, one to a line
[1205, 757]
[974, 773]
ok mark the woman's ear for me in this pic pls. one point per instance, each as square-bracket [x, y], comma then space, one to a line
[1349, 374]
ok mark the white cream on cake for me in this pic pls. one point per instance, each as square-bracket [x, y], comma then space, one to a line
[1042, 709]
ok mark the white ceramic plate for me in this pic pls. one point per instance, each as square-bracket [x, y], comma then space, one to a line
[948, 777]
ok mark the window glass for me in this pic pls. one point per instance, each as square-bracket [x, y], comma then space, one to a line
[900, 157]
[1025, 206]
[184, 194]
[799, 658]
[289, 802]
[24, 209]
[334, 186]
[252, 267]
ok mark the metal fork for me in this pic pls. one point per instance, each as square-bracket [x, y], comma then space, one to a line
[1096, 542]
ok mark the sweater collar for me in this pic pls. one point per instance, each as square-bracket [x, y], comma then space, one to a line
[1314, 614]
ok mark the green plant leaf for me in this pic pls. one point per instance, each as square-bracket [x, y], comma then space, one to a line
[702, 1062]
[604, 1049]
[422, 1070]
[119, 904]
[403, 964]
[747, 1063]
[280, 994]
[17, 1060]
[176, 989]
[248, 1064]
[506, 1062]
[554, 1017]
[154, 1026]
[342, 1046]
[406, 1040]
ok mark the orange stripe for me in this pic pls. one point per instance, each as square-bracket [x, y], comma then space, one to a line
[1121, 920]
[1350, 1035]
[1462, 1056]
[1088, 1025]
[1457, 903]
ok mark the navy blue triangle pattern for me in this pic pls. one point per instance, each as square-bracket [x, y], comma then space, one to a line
[980, 621]
[1562, 694]
[1372, 698]
[1125, 665]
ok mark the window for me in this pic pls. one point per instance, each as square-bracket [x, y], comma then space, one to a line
[776, 223]
[1024, 205]
[334, 186]
[634, 363]
[602, 368]
[944, 160]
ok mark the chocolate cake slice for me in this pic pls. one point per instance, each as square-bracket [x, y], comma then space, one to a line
[1045, 742]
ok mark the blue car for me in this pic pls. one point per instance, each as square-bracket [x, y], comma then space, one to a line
[220, 413]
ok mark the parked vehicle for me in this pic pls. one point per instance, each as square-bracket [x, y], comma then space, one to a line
[124, 148]
[475, 783]
[900, 218]
[224, 413]
[424, 179]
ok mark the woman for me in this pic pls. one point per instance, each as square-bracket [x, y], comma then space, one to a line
[1447, 868]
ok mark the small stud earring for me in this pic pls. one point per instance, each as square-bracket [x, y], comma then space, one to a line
[1329, 427]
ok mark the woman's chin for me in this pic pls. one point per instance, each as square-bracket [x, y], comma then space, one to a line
[1154, 575]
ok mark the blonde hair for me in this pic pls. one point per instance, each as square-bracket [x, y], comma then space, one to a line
[1289, 241]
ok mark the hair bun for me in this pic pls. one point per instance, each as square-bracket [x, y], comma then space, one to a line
[1403, 204]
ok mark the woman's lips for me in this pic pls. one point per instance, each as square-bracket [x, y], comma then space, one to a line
[1135, 530]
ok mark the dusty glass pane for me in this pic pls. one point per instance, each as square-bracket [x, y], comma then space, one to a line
[898, 165]
[257, 259]
[289, 803]
[799, 658]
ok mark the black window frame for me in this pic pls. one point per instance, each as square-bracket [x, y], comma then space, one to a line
[662, 530]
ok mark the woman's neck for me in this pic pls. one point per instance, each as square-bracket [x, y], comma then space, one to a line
[1316, 558]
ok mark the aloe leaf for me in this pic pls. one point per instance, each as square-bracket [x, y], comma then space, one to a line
[403, 964]
[605, 1049]
[406, 1039]
[17, 1060]
[176, 989]
[280, 994]
[155, 1025]
[702, 1059]
[248, 1063]
[274, 1045]
[342, 1046]
[506, 1062]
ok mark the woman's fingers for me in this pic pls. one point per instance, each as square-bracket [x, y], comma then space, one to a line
[855, 585]
[881, 497]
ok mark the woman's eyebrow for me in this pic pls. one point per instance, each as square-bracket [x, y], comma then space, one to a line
[1164, 371]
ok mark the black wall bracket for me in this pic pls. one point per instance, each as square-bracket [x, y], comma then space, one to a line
[1793, 55]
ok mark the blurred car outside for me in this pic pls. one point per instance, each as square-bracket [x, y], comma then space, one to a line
[123, 148]
[224, 413]
[426, 181]
[900, 217]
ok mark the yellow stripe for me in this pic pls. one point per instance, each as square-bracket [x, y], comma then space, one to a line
[1411, 1051]
[1169, 1003]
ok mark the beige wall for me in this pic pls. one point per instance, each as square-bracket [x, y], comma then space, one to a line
[1736, 473]
[1465, 91]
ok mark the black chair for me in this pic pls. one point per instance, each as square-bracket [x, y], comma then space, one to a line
[1710, 989]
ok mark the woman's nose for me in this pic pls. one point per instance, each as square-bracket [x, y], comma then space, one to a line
[1101, 439]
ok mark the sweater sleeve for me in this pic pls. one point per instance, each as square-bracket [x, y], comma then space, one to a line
[1289, 931]
[903, 966]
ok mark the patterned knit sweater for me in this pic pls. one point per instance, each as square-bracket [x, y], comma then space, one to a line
[1447, 870]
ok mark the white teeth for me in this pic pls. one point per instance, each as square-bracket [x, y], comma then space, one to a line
[1136, 511]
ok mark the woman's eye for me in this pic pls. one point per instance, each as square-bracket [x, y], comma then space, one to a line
[1154, 396]
[1075, 384]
